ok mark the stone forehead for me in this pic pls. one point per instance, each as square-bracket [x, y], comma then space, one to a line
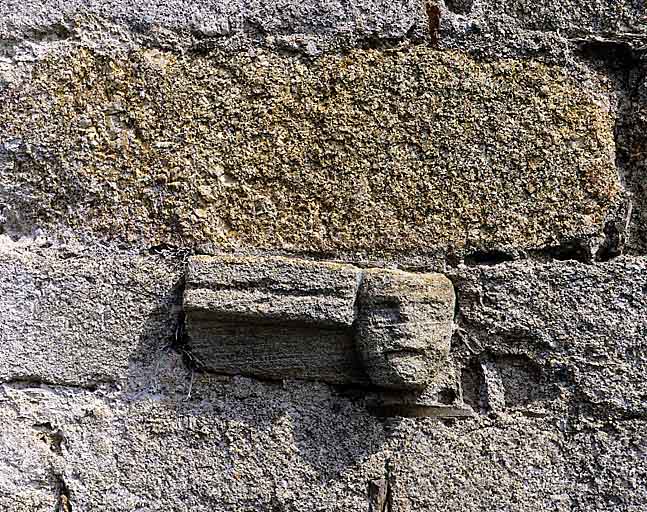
[384, 284]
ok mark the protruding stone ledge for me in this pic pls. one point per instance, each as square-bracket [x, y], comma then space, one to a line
[276, 289]
[287, 318]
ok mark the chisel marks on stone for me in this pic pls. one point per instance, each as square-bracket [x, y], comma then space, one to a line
[272, 289]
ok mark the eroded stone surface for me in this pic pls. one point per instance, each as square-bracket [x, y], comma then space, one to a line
[279, 317]
[404, 326]
[81, 317]
[573, 17]
[580, 327]
[273, 317]
[376, 151]
[235, 445]
[275, 289]
[520, 463]
[632, 148]
[312, 26]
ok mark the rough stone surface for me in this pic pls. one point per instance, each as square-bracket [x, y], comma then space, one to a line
[553, 379]
[274, 350]
[351, 153]
[310, 27]
[404, 326]
[632, 151]
[518, 463]
[266, 290]
[235, 445]
[499, 137]
[273, 318]
[79, 317]
[572, 17]
[580, 327]
[283, 317]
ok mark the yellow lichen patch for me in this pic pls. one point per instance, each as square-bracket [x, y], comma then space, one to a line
[374, 151]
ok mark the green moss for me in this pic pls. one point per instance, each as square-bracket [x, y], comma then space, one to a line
[374, 151]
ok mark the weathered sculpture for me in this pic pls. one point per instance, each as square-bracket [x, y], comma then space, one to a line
[288, 318]
[404, 326]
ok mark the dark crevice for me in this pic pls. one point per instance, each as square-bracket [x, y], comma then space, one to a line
[51, 436]
[472, 381]
[631, 147]
[36, 382]
[64, 501]
[615, 55]
[433, 19]
[575, 250]
[622, 57]
[459, 6]
[447, 396]
[180, 341]
[612, 246]
[579, 250]
[380, 492]
[389, 474]
[488, 258]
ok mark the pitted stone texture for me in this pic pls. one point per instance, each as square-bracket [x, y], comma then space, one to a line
[234, 445]
[237, 444]
[520, 463]
[273, 317]
[570, 17]
[375, 151]
[27, 461]
[551, 31]
[79, 316]
[580, 329]
[271, 289]
[312, 25]
[632, 151]
[404, 326]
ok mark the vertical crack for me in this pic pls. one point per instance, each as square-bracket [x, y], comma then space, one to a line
[63, 502]
[380, 497]
[388, 469]
[433, 17]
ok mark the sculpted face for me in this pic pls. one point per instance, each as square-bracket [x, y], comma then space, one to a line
[404, 326]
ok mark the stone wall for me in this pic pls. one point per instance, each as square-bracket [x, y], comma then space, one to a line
[502, 144]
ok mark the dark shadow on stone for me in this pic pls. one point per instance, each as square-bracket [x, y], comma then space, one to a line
[326, 433]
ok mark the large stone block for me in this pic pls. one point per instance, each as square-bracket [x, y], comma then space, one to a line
[578, 331]
[81, 317]
[313, 25]
[520, 463]
[235, 445]
[376, 151]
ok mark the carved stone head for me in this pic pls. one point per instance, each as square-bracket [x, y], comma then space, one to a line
[404, 326]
